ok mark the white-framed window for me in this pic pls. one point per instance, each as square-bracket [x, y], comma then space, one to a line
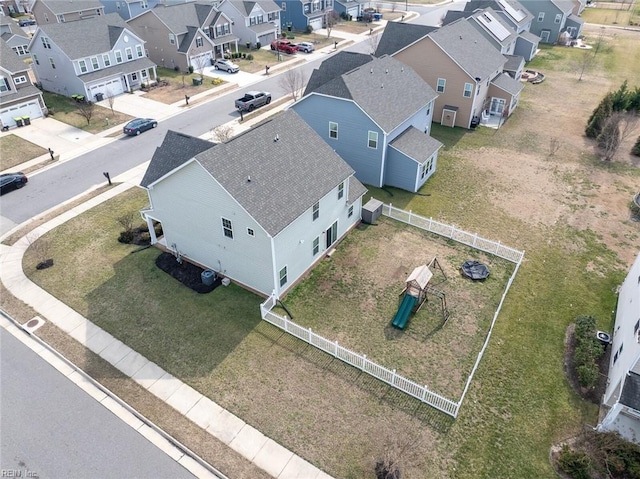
[45, 42]
[558, 19]
[227, 228]
[20, 80]
[283, 276]
[541, 17]
[426, 168]
[341, 190]
[61, 18]
[21, 50]
[52, 63]
[4, 85]
[144, 4]
[35, 59]
[172, 39]
[83, 66]
[117, 5]
[316, 211]
[46, 17]
[118, 54]
[134, 76]
[333, 130]
[441, 85]
[372, 140]
[350, 212]
[468, 90]
[106, 60]
[316, 245]
[143, 73]
[139, 51]
[94, 63]
[199, 42]
[429, 108]
[250, 232]
[129, 53]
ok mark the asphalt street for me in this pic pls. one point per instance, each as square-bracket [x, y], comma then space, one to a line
[50, 428]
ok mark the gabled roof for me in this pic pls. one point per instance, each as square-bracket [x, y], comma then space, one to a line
[384, 88]
[397, 36]
[60, 7]
[85, 37]
[500, 30]
[508, 84]
[10, 61]
[187, 39]
[566, 6]
[416, 144]
[469, 49]
[178, 17]
[453, 15]
[334, 66]
[175, 150]
[530, 37]
[277, 170]
[512, 9]
[11, 29]
[514, 62]
[246, 7]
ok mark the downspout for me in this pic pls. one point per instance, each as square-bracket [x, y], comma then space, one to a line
[276, 286]
[384, 158]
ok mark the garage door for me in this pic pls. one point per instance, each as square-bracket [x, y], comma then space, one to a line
[30, 109]
[198, 62]
[316, 23]
[109, 88]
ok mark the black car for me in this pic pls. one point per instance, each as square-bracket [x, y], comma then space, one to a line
[137, 126]
[12, 181]
[23, 22]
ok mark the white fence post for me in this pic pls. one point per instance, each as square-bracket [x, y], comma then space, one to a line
[409, 216]
[364, 361]
[393, 378]
[286, 324]
[424, 393]
[335, 351]
[430, 222]
[475, 238]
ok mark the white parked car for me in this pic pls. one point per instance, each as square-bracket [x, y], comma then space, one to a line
[305, 47]
[226, 65]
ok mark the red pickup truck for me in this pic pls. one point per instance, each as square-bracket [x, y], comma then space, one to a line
[284, 46]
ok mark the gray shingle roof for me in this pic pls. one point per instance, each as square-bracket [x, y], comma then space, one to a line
[86, 37]
[175, 150]
[514, 62]
[288, 176]
[469, 49]
[10, 61]
[356, 190]
[68, 6]
[453, 15]
[121, 68]
[631, 391]
[530, 37]
[376, 87]
[416, 144]
[397, 36]
[187, 39]
[565, 5]
[474, 5]
[508, 84]
[335, 66]
[28, 91]
[494, 17]
[245, 7]
[178, 17]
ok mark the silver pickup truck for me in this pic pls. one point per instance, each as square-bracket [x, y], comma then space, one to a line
[252, 100]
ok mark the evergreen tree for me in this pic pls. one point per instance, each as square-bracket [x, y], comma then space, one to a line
[599, 116]
[621, 97]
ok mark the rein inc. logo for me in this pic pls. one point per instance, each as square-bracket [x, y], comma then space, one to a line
[18, 473]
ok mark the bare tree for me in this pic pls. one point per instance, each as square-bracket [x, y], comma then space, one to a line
[618, 128]
[397, 453]
[41, 247]
[599, 41]
[199, 64]
[584, 63]
[222, 133]
[293, 81]
[554, 145]
[331, 19]
[128, 220]
[372, 42]
[111, 100]
[85, 110]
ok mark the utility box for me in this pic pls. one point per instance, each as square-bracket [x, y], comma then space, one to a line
[371, 211]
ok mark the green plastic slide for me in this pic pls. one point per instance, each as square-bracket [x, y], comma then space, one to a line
[401, 318]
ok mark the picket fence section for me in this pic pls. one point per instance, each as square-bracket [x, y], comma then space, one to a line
[358, 361]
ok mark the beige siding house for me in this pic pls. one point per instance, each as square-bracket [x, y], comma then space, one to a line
[61, 11]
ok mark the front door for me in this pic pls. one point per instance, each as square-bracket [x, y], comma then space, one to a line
[544, 36]
[497, 106]
[332, 234]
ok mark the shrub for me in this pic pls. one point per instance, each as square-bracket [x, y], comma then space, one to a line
[588, 350]
[244, 55]
[636, 148]
[176, 68]
[258, 45]
[575, 463]
[126, 237]
[249, 57]
[284, 34]
[309, 29]
[190, 69]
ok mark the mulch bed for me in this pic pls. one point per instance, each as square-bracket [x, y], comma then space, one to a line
[187, 273]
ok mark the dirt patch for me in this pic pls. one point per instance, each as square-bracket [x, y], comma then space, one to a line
[187, 273]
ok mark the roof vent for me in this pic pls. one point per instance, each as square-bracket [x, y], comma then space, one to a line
[381, 85]
[249, 179]
[402, 68]
[371, 71]
[387, 70]
[277, 138]
[460, 37]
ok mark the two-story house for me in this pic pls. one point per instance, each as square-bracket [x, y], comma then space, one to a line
[129, 8]
[253, 22]
[518, 17]
[14, 36]
[187, 34]
[18, 97]
[621, 399]
[300, 14]
[553, 17]
[61, 11]
[261, 209]
[350, 9]
[376, 114]
[462, 66]
[8, 7]
[97, 57]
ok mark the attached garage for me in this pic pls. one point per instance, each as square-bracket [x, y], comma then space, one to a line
[202, 60]
[107, 88]
[30, 109]
[315, 23]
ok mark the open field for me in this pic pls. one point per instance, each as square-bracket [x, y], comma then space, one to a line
[569, 211]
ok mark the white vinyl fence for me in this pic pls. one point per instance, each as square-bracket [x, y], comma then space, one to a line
[389, 376]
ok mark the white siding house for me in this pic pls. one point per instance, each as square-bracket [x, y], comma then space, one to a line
[260, 209]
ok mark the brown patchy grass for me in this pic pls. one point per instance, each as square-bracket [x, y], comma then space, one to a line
[176, 90]
[15, 151]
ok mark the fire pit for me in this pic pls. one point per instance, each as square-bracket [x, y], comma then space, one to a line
[532, 76]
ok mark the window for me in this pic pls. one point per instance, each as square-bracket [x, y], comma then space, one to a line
[53, 64]
[468, 89]
[61, 18]
[333, 130]
[316, 211]
[46, 43]
[429, 108]
[341, 190]
[35, 59]
[139, 51]
[129, 53]
[250, 232]
[316, 245]
[134, 76]
[350, 213]
[558, 19]
[227, 228]
[106, 60]
[144, 4]
[118, 56]
[117, 5]
[172, 39]
[83, 66]
[46, 17]
[283, 276]
[373, 140]
[199, 42]
[143, 73]
[94, 63]
[21, 50]
[541, 17]
[4, 85]
[441, 84]
[20, 80]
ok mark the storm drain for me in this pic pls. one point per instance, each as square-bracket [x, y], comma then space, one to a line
[33, 324]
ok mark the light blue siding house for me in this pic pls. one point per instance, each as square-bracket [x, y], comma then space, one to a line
[128, 9]
[249, 209]
[376, 114]
[300, 14]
